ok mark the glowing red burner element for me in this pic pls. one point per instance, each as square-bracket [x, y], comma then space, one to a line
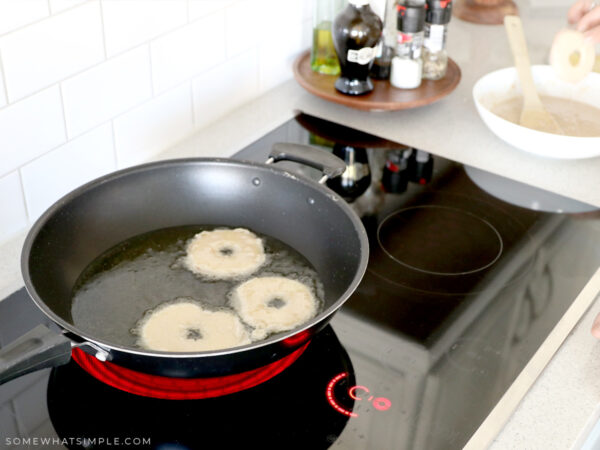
[298, 338]
[331, 399]
[180, 388]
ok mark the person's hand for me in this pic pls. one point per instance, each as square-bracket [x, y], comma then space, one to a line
[596, 327]
[586, 15]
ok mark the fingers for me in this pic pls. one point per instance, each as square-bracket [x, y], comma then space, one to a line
[589, 20]
[596, 327]
[577, 11]
[593, 35]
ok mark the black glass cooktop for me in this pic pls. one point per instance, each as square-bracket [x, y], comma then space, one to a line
[468, 273]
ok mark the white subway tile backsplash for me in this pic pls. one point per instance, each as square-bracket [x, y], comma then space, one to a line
[16, 13]
[105, 91]
[244, 19]
[154, 126]
[188, 51]
[307, 10]
[201, 8]
[30, 128]
[48, 51]
[276, 56]
[278, 18]
[172, 65]
[13, 217]
[128, 23]
[58, 172]
[306, 35]
[225, 87]
[60, 5]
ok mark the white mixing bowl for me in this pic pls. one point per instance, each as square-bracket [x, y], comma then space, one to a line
[503, 84]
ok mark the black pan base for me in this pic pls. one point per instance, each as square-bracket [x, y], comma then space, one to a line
[288, 411]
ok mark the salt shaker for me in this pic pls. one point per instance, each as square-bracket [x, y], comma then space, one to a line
[407, 65]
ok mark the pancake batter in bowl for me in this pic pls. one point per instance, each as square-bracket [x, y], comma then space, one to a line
[273, 304]
[575, 118]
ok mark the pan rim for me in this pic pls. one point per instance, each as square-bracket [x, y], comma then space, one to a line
[113, 176]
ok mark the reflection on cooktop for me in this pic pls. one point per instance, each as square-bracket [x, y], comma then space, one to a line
[438, 240]
[292, 410]
[436, 250]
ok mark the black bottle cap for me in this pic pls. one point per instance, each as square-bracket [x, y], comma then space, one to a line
[439, 12]
[411, 18]
[420, 167]
[394, 179]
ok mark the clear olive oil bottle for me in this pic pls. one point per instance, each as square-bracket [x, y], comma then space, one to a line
[323, 58]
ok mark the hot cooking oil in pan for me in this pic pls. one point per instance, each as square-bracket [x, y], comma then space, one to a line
[120, 286]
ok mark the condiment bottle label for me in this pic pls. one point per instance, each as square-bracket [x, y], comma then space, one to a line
[435, 37]
[362, 56]
[404, 38]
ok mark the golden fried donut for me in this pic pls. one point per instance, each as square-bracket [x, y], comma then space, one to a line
[187, 327]
[273, 304]
[225, 253]
[571, 56]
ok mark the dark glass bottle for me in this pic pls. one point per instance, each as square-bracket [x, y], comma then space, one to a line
[357, 177]
[356, 32]
[382, 64]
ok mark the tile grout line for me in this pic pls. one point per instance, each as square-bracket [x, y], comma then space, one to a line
[22, 185]
[99, 63]
[192, 103]
[3, 81]
[29, 161]
[64, 113]
[100, 4]
[50, 15]
[35, 22]
[225, 29]
[114, 142]
[66, 78]
[152, 87]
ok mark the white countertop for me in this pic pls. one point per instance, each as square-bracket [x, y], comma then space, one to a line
[560, 406]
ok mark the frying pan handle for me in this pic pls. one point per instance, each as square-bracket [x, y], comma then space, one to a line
[329, 164]
[35, 350]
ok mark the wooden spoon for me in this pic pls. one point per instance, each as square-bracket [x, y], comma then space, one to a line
[534, 115]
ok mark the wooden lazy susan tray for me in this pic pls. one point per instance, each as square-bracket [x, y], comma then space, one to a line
[384, 97]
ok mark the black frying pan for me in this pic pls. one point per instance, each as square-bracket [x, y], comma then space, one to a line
[85, 223]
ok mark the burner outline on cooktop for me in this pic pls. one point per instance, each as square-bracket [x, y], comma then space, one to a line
[516, 230]
[431, 272]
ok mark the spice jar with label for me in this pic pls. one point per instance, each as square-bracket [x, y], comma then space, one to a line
[435, 56]
[356, 33]
[407, 65]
